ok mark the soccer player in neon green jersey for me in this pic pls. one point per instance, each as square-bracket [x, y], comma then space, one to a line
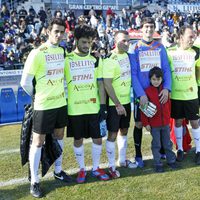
[117, 81]
[86, 101]
[46, 65]
[184, 99]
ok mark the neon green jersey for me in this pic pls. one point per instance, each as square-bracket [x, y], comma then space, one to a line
[117, 67]
[198, 68]
[82, 74]
[182, 63]
[47, 65]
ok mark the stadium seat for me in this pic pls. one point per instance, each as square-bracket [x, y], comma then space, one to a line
[8, 107]
[22, 99]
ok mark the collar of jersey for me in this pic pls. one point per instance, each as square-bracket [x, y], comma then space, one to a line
[51, 45]
[147, 43]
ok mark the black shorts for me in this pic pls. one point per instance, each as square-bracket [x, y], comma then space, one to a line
[45, 121]
[199, 94]
[188, 109]
[83, 126]
[136, 112]
[115, 121]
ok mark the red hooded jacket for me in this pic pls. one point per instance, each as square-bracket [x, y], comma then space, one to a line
[162, 116]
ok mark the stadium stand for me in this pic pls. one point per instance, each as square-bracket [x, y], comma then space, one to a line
[22, 99]
[8, 106]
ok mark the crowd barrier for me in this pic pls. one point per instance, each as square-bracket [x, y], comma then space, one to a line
[11, 106]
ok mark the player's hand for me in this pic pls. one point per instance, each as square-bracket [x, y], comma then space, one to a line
[148, 128]
[164, 95]
[121, 110]
[143, 100]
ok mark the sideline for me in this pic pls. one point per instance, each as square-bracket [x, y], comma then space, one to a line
[49, 175]
[9, 151]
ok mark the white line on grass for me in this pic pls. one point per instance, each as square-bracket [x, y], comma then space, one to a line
[8, 151]
[70, 171]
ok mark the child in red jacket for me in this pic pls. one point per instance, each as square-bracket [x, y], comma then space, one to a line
[158, 125]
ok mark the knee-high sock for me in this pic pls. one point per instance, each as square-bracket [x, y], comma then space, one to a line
[79, 154]
[58, 162]
[122, 147]
[110, 150]
[34, 159]
[179, 137]
[137, 135]
[96, 154]
[196, 136]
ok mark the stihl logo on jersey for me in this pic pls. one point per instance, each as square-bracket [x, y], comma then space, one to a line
[82, 77]
[55, 71]
[183, 69]
[149, 66]
[149, 53]
[54, 57]
[81, 63]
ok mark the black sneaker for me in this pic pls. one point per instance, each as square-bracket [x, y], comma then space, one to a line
[62, 176]
[173, 166]
[36, 191]
[180, 156]
[197, 158]
[159, 169]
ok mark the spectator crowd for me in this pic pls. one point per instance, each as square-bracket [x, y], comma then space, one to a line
[23, 30]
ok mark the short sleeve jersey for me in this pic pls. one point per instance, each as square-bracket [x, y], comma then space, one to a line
[183, 63]
[117, 67]
[47, 65]
[82, 74]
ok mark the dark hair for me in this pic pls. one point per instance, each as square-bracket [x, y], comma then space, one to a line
[147, 20]
[58, 11]
[57, 21]
[156, 71]
[183, 29]
[121, 31]
[84, 31]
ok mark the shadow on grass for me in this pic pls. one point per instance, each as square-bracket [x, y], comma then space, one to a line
[188, 162]
[51, 185]
[23, 190]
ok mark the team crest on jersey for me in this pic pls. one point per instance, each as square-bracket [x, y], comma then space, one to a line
[114, 57]
[43, 49]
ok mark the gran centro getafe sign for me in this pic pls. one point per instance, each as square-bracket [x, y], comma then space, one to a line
[186, 8]
[95, 7]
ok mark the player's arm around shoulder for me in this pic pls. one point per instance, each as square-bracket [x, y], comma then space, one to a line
[165, 65]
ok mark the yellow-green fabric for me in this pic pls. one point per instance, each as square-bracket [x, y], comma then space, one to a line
[82, 74]
[117, 68]
[182, 63]
[47, 65]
